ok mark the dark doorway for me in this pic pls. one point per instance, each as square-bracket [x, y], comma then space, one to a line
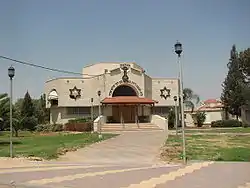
[124, 90]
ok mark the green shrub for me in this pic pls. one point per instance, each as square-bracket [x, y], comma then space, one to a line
[79, 126]
[226, 123]
[199, 118]
[40, 128]
[245, 125]
[80, 120]
[57, 127]
[29, 123]
[171, 120]
[49, 128]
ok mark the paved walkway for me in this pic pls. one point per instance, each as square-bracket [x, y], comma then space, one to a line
[129, 147]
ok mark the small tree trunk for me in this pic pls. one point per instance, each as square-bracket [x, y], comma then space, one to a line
[16, 132]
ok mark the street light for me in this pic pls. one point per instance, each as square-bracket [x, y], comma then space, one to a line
[99, 114]
[92, 114]
[99, 95]
[11, 73]
[176, 114]
[178, 51]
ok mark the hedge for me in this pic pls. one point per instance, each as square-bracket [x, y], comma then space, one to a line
[79, 127]
[80, 120]
[226, 123]
[49, 128]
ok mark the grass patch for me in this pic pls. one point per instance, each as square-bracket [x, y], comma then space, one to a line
[220, 130]
[208, 147]
[46, 146]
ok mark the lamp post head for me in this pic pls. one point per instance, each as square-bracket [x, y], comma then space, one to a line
[178, 48]
[11, 72]
[175, 98]
[99, 93]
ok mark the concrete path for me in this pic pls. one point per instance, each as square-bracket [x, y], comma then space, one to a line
[129, 147]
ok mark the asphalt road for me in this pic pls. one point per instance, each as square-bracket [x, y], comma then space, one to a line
[193, 175]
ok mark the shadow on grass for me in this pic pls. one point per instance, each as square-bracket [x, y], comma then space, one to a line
[5, 143]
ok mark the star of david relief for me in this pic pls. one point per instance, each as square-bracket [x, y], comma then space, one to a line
[165, 93]
[75, 93]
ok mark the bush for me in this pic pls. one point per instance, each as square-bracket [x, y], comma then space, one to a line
[199, 118]
[245, 125]
[29, 123]
[49, 128]
[80, 120]
[171, 120]
[57, 127]
[79, 127]
[226, 123]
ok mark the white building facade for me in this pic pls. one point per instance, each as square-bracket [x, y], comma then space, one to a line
[126, 94]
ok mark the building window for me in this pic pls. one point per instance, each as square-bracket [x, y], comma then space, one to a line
[54, 102]
[161, 110]
[78, 110]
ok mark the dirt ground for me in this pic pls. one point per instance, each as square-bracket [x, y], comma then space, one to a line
[6, 162]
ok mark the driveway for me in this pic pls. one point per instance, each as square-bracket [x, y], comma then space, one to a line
[128, 147]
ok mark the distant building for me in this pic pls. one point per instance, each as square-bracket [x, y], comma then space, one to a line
[245, 114]
[213, 109]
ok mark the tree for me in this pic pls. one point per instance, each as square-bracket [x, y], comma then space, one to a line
[29, 121]
[42, 113]
[27, 108]
[17, 122]
[4, 109]
[244, 62]
[199, 118]
[190, 98]
[171, 119]
[232, 92]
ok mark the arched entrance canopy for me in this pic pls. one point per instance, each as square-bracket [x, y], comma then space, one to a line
[53, 95]
[125, 103]
[124, 90]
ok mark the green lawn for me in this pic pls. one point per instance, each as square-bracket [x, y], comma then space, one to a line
[208, 147]
[46, 146]
[220, 130]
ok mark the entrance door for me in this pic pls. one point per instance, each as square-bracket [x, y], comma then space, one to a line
[127, 112]
[116, 114]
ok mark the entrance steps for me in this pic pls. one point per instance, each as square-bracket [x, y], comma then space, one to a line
[114, 127]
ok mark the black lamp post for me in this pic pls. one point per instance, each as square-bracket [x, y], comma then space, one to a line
[92, 114]
[11, 73]
[178, 51]
[176, 114]
[178, 48]
[100, 126]
[99, 95]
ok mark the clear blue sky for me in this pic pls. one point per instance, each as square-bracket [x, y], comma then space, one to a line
[71, 34]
